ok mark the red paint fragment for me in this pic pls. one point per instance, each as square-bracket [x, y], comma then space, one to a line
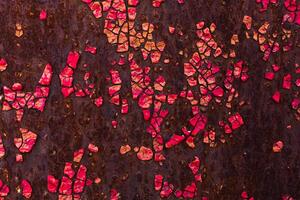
[174, 140]
[46, 76]
[158, 180]
[269, 75]
[145, 153]
[78, 155]
[287, 82]
[114, 194]
[72, 59]
[167, 190]
[4, 190]
[276, 96]
[236, 121]
[195, 165]
[65, 186]
[27, 140]
[26, 189]
[2, 149]
[3, 64]
[91, 49]
[93, 148]
[68, 170]
[218, 92]
[276, 68]
[189, 191]
[52, 183]
[244, 195]
[114, 123]
[157, 3]
[19, 158]
[43, 15]
[277, 147]
[125, 149]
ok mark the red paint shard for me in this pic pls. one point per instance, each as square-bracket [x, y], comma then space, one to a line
[158, 180]
[78, 155]
[236, 121]
[4, 190]
[43, 15]
[93, 148]
[287, 82]
[68, 170]
[195, 165]
[46, 76]
[26, 189]
[269, 75]
[81, 173]
[2, 149]
[114, 194]
[72, 59]
[277, 146]
[52, 183]
[218, 92]
[189, 191]
[174, 140]
[167, 190]
[27, 140]
[65, 186]
[91, 49]
[125, 149]
[276, 96]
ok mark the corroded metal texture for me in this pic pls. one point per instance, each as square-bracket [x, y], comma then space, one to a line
[168, 99]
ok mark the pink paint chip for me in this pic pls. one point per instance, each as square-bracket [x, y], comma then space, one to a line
[3, 64]
[72, 59]
[276, 96]
[144, 153]
[43, 15]
[26, 189]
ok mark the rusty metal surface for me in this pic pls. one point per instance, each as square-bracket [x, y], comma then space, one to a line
[245, 160]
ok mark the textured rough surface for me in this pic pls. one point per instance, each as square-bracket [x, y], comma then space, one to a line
[255, 153]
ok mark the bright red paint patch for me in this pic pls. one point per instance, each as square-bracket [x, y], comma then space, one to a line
[144, 153]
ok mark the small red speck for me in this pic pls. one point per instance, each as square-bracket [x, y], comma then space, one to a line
[3, 64]
[277, 147]
[114, 194]
[97, 180]
[19, 158]
[91, 49]
[269, 75]
[93, 148]
[98, 101]
[244, 195]
[276, 68]
[276, 96]
[78, 155]
[43, 15]
[114, 123]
